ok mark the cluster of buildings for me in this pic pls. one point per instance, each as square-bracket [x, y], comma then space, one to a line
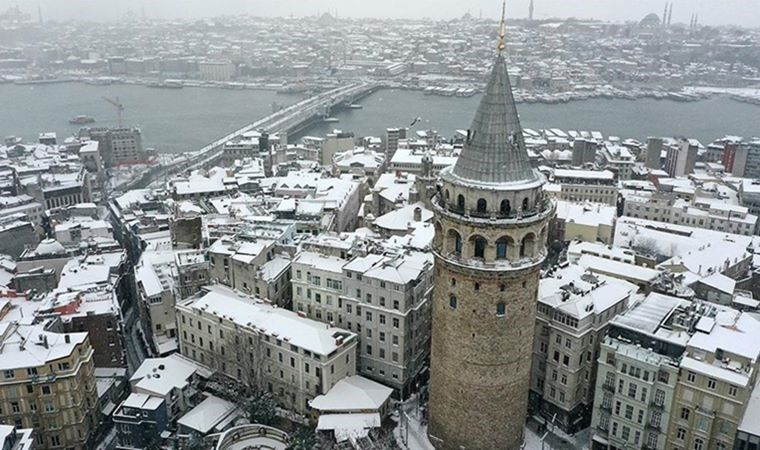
[499, 277]
[655, 57]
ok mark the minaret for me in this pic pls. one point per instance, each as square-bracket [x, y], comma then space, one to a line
[665, 16]
[530, 11]
[491, 221]
[670, 15]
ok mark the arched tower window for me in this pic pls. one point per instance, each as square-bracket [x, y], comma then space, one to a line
[482, 205]
[454, 242]
[460, 202]
[502, 247]
[478, 246]
[438, 236]
[447, 194]
[501, 309]
[525, 204]
[505, 207]
[527, 245]
[453, 301]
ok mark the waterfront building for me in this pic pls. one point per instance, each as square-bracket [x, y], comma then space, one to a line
[385, 299]
[263, 346]
[117, 145]
[574, 309]
[216, 70]
[491, 221]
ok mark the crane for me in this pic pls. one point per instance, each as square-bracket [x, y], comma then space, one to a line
[118, 105]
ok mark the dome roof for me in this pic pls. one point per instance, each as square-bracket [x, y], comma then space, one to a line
[650, 20]
[49, 247]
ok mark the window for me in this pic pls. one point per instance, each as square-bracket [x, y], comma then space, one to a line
[732, 391]
[691, 377]
[452, 302]
[711, 383]
[482, 205]
[629, 412]
[8, 374]
[632, 388]
[501, 248]
[505, 208]
[460, 202]
[685, 413]
[525, 204]
[699, 444]
[680, 434]
[659, 397]
[479, 247]
[501, 309]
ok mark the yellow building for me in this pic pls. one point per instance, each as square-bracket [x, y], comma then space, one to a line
[47, 381]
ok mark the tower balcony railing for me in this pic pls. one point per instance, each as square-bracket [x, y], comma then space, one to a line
[498, 264]
[516, 215]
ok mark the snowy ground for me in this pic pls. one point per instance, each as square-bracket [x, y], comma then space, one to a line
[414, 436]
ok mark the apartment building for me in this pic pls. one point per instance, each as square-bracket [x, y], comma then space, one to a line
[618, 159]
[718, 373]
[697, 212]
[597, 186]
[638, 373]
[47, 382]
[574, 309]
[260, 345]
[385, 299]
[252, 267]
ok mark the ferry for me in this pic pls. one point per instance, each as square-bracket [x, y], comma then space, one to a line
[82, 120]
[167, 84]
[331, 119]
[355, 106]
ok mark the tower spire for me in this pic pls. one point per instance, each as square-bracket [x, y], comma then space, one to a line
[502, 28]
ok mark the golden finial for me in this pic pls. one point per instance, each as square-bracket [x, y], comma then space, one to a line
[502, 28]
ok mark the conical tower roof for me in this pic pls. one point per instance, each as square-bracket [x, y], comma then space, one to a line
[494, 152]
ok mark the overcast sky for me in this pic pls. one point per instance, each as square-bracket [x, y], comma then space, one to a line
[711, 12]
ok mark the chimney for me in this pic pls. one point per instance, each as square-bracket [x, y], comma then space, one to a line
[418, 214]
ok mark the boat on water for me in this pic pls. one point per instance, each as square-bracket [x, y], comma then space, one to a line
[331, 119]
[355, 106]
[167, 84]
[82, 120]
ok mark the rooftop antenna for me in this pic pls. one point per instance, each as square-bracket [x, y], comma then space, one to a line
[502, 28]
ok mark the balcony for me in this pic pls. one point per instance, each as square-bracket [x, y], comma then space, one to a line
[653, 426]
[538, 212]
[609, 387]
[656, 405]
